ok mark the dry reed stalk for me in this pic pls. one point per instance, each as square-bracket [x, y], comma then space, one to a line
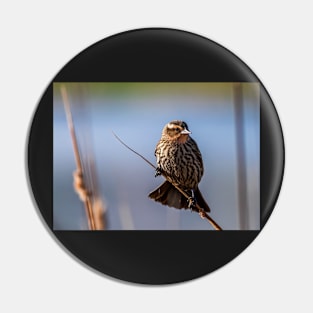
[243, 208]
[78, 174]
[99, 214]
[201, 211]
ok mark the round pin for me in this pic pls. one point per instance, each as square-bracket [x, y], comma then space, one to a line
[155, 156]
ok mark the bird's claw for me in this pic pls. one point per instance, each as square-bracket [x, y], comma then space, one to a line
[191, 203]
[192, 200]
[158, 172]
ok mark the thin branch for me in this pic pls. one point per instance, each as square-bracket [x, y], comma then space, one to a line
[123, 143]
[79, 172]
[201, 211]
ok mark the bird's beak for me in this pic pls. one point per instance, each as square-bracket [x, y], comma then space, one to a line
[185, 132]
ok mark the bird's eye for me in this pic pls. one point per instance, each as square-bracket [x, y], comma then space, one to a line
[177, 129]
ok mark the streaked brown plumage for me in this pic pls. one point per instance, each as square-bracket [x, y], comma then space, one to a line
[178, 156]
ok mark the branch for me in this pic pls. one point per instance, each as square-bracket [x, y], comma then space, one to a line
[201, 211]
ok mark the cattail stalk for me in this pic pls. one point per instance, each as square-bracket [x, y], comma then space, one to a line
[86, 199]
[241, 157]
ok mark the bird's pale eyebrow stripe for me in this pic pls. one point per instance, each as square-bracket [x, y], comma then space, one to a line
[171, 126]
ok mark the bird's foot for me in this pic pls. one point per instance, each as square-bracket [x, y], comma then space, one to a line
[192, 201]
[158, 172]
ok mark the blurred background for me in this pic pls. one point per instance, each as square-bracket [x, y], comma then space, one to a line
[225, 122]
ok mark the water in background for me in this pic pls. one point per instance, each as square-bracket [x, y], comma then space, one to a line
[137, 112]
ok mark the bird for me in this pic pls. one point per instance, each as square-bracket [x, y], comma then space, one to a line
[179, 158]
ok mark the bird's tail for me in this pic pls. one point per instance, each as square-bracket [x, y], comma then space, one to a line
[167, 194]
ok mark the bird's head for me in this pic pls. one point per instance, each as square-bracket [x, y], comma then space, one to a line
[176, 130]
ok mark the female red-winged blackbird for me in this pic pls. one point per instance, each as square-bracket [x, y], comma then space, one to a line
[178, 157]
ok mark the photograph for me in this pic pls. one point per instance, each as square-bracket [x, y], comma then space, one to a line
[162, 156]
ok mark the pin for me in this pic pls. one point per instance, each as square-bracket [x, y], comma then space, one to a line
[96, 144]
